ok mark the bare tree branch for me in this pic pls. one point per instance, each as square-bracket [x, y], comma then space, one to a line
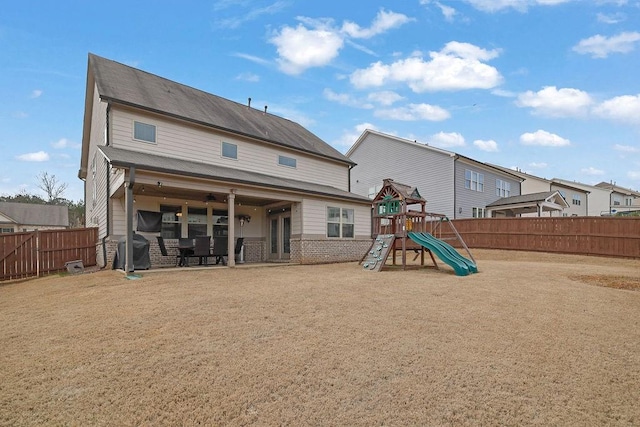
[51, 186]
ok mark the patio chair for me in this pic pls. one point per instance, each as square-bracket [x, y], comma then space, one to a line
[220, 249]
[202, 249]
[163, 249]
[238, 247]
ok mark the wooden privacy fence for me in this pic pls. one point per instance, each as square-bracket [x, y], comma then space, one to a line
[37, 253]
[618, 236]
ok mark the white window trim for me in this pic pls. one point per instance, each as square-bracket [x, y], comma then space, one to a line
[222, 150]
[133, 132]
[327, 222]
[478, 176]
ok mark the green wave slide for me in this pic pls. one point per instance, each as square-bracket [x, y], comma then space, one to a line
[461, 265]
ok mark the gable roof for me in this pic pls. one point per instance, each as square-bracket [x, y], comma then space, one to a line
[403, 191]
[121, 84]
[545, 196]
[120, 157]
[427, 147]
[35, 214]
[618, 189]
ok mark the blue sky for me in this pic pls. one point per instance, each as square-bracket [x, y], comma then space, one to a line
[547, 86]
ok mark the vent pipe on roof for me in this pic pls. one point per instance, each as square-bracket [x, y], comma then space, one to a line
[265, 109]
[249, 104]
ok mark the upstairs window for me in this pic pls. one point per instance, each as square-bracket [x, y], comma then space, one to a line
[287, 161]
[144, 132]
[473, 181]
[576, 200]
[229, 150]
[503, 188]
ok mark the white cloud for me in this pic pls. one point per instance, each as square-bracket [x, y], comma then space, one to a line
[37, 93]
[538, 165]
[519, 5]
[300, 48]
[414, 112]
[457, 66]
[544, 139]
[248, 77]
[383, 21]
[504, 93]
[385, 97]
[251, 14]
[291, 114]
[626, 148]
[446, 140]
[447, 11]
[19, 115]
[613, 18]
[349, 137]
[600, 46]
[635, 175]
[252, 58]
[592, 171]
[39, 156]
[345, 99]
[65, 143]
[621, 108]
[488, 145]
[553, 102]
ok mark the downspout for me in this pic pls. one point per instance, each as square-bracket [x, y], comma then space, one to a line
[455, 185]
[108, 185]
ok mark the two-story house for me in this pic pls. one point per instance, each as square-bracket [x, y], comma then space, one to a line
[453, 185]
[554, 197]
[211, 166]
[621, 200]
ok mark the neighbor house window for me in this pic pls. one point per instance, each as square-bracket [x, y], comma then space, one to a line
[6, 230]
[503, 188]
[576, 200]
[628, 201]
[171, 221]
[144, 132]
[617, 200]
[479, 212]
[229, 150]
[340, 222]
[287, 161]
[473, 180]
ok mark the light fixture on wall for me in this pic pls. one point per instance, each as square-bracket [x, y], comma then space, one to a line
[459, 210]
[159, 184]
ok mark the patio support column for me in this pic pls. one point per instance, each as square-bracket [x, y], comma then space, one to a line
[231, 200]
[131, 180]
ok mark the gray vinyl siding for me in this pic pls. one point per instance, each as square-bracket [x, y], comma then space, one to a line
[467, 199]
[190, 142]
[96, 213]
[431, 171]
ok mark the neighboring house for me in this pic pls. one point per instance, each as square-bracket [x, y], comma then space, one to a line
[598, 199]
[453, 185]
[17, 217]
[577, 198]
[621, 200]
[151, 145]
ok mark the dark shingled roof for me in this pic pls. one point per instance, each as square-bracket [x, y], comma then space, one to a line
[34, 214]
[122, 84]
[151, 162]
[525, 198]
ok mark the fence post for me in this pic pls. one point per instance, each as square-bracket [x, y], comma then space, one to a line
[37, 236]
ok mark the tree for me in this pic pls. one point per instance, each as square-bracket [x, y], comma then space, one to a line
[52, 187]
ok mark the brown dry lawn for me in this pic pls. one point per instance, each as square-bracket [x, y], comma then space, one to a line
[533, 339]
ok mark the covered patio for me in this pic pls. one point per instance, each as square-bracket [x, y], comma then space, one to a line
[541, 204]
